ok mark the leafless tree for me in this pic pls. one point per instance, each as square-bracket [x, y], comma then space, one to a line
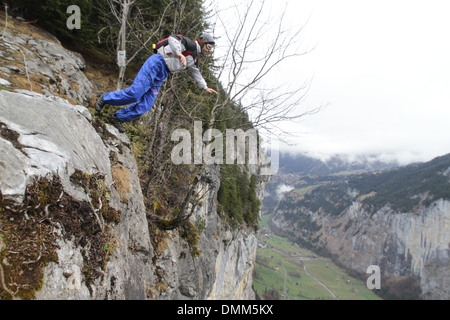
[257, 45]
[122, 17]
[137, 33]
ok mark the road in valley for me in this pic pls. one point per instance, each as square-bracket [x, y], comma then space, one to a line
[302, 261]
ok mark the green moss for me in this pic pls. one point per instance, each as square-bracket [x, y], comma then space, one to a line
[30, 231]
[168, 224]
[191, 235]
[28, 240]
[94, 185]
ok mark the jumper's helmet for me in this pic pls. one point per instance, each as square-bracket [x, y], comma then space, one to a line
[206, 38]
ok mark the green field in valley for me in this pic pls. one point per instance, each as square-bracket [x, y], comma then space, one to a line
[294, 273]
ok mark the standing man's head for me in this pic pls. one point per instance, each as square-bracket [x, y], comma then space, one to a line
[206, 42]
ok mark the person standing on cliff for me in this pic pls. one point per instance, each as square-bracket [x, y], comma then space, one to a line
[172, 54]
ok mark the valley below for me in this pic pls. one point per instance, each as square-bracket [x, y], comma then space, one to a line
[326, 223]
[286, 271]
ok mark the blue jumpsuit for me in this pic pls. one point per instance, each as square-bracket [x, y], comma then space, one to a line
[143, 91]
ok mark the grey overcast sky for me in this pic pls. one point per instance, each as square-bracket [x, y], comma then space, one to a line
[383, 70]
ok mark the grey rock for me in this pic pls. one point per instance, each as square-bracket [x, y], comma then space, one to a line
[4, 82]
[57, 138]
[62, 68]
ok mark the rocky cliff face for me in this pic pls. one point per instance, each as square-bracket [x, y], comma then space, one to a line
[57, 142]
[40, 57]
[402, 244]
[225, 267]
[73, 223]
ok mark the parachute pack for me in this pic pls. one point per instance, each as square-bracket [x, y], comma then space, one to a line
[190, 45]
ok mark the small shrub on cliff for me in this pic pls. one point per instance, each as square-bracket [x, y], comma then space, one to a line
[237, 197]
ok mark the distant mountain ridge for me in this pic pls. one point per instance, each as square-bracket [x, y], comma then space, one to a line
[398, 219]
[307, 165]
[403, 189]
[296, 170]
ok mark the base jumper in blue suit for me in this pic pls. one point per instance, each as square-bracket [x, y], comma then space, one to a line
[173, 54]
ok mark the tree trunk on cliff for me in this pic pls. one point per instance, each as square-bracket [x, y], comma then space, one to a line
[142, 27]
[122, 39]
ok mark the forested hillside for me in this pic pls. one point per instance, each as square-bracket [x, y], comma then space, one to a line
[403, 189]
[396, 219]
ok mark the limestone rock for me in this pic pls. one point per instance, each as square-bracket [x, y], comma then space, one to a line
[43, 136]
[53, 137]
[61, 69]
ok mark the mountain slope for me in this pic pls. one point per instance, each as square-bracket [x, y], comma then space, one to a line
[398, 219]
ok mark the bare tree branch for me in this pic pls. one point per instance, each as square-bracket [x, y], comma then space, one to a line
[257, 45]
